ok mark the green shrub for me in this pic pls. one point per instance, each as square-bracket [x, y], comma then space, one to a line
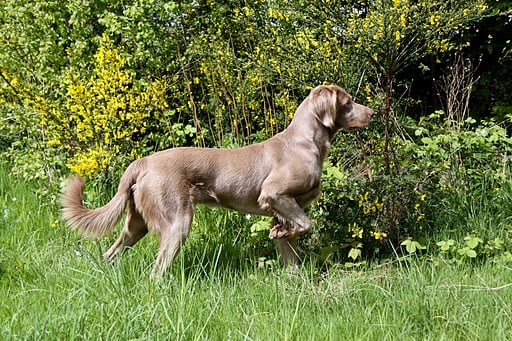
[366, 213]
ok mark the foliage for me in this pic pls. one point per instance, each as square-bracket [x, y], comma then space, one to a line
[360, 218]
[449, 151]
[395, 33]
[22, 143]
[391, 34]
[244, 84]
[107, 118]
[365, 215]
[55, 286]
[473, 247]
[90, 85]
[412, 246]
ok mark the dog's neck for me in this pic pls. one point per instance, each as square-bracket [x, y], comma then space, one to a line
[313, 133]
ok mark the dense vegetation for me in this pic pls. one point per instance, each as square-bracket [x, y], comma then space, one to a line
[55, 286]
[413, 235]
[88, 86]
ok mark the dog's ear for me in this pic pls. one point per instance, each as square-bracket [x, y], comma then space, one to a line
[324, 101]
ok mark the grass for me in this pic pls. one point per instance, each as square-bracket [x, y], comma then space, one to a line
[55, 286]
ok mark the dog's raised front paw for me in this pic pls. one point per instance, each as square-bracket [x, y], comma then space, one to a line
[278, 232]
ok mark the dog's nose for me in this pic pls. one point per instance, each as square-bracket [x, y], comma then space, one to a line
[370, 112]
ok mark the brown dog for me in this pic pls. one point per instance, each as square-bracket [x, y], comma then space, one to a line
[277, 177]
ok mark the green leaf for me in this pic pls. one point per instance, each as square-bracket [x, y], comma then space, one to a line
[445, 245]
[259, 226]
[427, 140]
[354, 253]
[471, 253]
[412, 246]
[473, 241]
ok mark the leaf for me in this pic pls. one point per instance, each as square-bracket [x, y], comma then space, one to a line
[472, 243]
[412, 246]
[471, 253]
[349, 265]
[445, 245]
[327, 251]
[427, 140]
[354, 253]
[261, 225]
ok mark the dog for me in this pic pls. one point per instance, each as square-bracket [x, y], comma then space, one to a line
[278, 177]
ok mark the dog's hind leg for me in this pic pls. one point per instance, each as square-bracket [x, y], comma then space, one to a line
[172, 236]
[134, 229]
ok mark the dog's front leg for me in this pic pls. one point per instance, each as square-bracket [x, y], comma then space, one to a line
[292, 219]
[280, 228]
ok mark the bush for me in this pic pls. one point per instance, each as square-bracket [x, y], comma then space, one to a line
[110, 119]
[369, 213]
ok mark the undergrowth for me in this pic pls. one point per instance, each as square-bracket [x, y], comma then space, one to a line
[55, 285]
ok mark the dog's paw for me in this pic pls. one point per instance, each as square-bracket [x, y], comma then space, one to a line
[278, 232]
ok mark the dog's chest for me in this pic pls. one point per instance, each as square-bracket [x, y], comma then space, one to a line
[239, 197]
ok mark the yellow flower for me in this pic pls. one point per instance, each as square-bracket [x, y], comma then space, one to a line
[434, 19]
[362, 199]
[54, 142]
[377, 204]
[358, 234]
[403, 20]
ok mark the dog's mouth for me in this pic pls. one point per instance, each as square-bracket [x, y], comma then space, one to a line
[359, 125]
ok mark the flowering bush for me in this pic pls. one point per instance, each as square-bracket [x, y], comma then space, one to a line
[363, 213]
[389, 35]
[399, 31]
[360, 218]
[107, 117]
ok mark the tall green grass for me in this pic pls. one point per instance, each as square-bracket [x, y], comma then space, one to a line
[54, 285]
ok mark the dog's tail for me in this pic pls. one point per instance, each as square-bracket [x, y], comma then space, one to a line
[95, 222]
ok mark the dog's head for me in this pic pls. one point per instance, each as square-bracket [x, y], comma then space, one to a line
[335, 109]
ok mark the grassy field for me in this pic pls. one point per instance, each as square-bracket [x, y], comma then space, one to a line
[54, 285]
